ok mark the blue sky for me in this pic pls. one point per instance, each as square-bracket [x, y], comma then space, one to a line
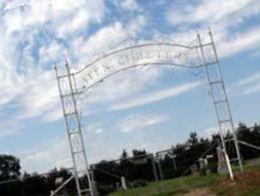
[150, 108]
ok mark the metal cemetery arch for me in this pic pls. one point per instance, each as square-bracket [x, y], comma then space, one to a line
[195, 55]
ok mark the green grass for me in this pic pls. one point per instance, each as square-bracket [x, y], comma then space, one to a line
[219, 184]
[248, 166]
[171, 187]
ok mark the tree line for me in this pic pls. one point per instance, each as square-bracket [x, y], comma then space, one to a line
[137, 169]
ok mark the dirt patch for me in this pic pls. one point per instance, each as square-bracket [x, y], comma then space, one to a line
[201, 192]
[247, 183]
[244, 183]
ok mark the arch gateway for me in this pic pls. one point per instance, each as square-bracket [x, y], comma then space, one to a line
[198, 54]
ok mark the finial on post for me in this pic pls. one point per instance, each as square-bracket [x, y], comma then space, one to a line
[209, 30]
[55, 66]
[197, 32]
[199, 38]
[66, 63]
[210, 35]
[56, 70]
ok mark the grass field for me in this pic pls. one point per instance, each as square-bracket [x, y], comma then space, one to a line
[247, 183]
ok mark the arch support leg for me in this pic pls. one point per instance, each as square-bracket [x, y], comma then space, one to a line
[219, 98]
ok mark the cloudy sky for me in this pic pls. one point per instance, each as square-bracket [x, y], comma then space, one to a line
[152, 107]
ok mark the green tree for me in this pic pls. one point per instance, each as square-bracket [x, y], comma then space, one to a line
[193, 140]
[9, 167]
[137, 153]
[124, 155]
[9, 170]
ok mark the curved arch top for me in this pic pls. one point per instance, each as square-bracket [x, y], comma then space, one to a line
[195, 55]
[138, 55]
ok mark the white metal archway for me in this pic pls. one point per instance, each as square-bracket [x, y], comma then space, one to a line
[195, 55]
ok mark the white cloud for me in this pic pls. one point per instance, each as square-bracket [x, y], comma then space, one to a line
[240, 42]
[222, 16]
[79, 12]
[252, 89]
[101, 41]
[25, 63]
[127, 83]
[8, 128]
[137, 24]
[36, 89]
[85, 13]
[210, 11]
[95, 128]
[140, 121]
[52, 53]
[54, 153]
[207, 132]
[26, 56]
[250, 79]
[131, 5]
[40, 97]
[107, 38]
[250, 84]
[157, 96]
[36, 32]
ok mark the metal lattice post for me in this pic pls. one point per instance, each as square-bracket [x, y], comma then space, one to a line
[216, 84]
[233, 131]
[153, 162]
[74, 132]
[160, 169]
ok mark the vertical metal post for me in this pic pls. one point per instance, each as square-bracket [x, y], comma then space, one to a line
[159, 164]
[174, 162]
[92, 177]
[123, 183]
[79, 129]
[74, 132]
[154, 168]
[67, 127]
[215, 108]
[227, 103]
